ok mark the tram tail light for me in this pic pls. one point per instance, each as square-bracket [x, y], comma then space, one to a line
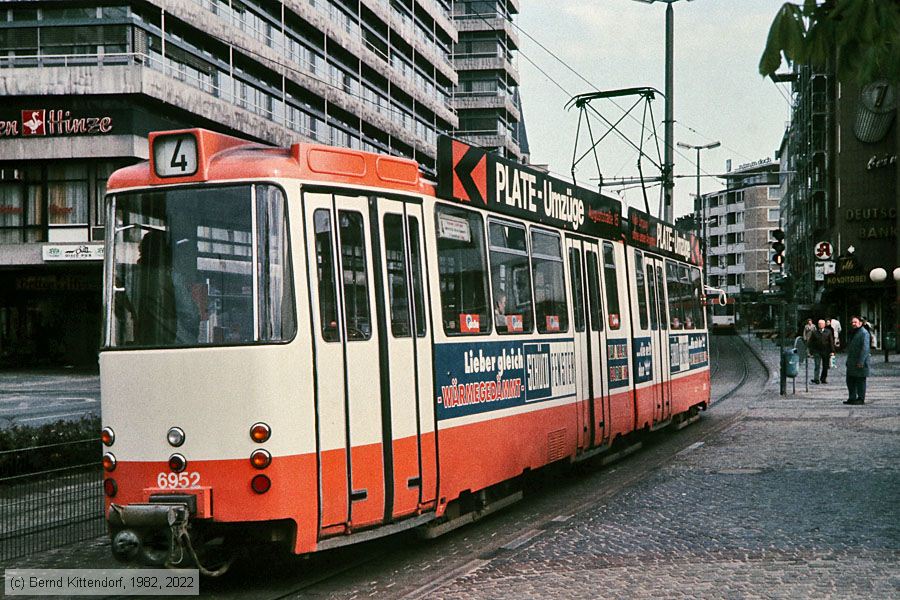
[260, 484]
[110, 488]
[109, 462]
[260, 459]
[177, 463]
[260, 432]
[107, 436]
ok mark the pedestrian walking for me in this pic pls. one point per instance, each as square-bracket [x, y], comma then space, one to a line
[808, 329]
[858, 340]
[836, 327]
[821, 346]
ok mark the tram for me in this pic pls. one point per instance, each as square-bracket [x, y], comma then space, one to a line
[313, 346]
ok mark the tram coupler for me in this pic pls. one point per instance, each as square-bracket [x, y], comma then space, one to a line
[147, 532]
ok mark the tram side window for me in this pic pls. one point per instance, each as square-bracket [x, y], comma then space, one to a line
[355, 277]
[325, 271]
[398, 286]
[663, 305]
[418, 288]
[697, 291]
[612, 285]
[397, 280]
[462, 271]
[641, 288]
[552, 313]
[681, 304]
[276, 301]
[594, 301]
[690, 303]
[654, 302]
[577, 287]
[510, 277]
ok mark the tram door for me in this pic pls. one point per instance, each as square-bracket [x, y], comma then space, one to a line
[407, 360]
[589, 340]
[340, 269]
[659, 325]
[584, 364]
[648, 378]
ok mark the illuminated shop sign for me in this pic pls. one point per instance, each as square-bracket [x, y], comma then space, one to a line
[69, 252]
[41, 122]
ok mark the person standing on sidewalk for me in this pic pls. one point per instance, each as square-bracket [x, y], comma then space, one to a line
[858, 339]
[808, 329]
[821, 346]
[836, 328]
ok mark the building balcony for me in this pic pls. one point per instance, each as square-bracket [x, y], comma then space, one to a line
[479, 100]
[488, 23]
[486, 63]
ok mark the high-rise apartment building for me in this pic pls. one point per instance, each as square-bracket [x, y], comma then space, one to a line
[487, 95]
[84, 82]
[740, 219]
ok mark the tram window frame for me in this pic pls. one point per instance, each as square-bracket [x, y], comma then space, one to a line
[612, 291]
[663, 302]
[697, 293]
[411, 257]
[418, 289]
[673, 286]
[515, 290]
[329, 325]
[641, 287]
[577, 281]
[361, 329]
[653, 297]
[595, 299]
[555, 285]
[688, 300]
[453, 312]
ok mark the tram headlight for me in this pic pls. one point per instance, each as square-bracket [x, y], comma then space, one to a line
[177, 463]
[260, 459]
[260, 432]
[175, 436]
[261, 484]
[107, 436]
[109, 462]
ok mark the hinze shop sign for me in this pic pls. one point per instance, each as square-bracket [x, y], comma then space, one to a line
[42, 123]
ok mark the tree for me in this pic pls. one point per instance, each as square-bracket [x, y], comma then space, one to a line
[862, 36]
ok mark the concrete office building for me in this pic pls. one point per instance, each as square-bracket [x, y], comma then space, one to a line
[85, 82]
[841, 193]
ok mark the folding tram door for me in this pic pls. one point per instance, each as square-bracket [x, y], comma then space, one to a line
[655, 279]
[372, 370]
[590, 341]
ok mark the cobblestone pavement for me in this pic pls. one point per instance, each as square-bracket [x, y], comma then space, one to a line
[799, 498]
[38, 397]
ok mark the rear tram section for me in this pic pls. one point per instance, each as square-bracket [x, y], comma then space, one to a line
[313, 346]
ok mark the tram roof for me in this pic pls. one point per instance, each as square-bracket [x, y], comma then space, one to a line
[199, 155]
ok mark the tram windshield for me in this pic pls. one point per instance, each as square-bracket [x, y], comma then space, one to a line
[199, 267]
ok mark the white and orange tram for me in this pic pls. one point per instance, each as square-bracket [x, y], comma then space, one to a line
[315, 346]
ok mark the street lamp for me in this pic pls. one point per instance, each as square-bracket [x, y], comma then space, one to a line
[668, 166]
[701, 232]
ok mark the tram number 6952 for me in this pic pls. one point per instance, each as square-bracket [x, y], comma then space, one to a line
[178, 480]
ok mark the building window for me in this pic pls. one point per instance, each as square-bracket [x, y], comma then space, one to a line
[67, 192]
[774, 214]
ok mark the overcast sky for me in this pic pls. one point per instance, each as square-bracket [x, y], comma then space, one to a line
[719, 96]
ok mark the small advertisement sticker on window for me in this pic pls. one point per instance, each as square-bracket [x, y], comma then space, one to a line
[470, 323]
[453, 228]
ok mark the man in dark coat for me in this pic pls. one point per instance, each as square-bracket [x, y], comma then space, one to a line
[858, 340]
[821, 346]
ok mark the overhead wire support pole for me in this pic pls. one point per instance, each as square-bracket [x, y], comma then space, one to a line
[668, 169]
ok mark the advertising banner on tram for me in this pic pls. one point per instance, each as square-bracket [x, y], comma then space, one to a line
[474, 176]
[480, 377]
[649, 233]
[688, 351]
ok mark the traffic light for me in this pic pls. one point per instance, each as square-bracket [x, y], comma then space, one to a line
[778, 247]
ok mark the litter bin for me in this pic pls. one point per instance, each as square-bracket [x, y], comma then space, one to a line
[790, 363]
